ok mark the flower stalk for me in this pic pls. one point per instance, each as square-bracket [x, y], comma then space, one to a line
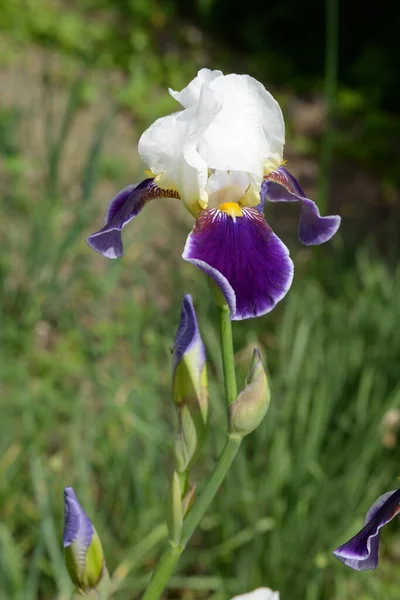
[228, 362]
[171, 556]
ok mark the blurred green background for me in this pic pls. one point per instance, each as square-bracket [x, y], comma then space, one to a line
[85, 342]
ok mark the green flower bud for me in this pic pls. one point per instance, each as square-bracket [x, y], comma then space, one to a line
[83, 551]
[250, 407]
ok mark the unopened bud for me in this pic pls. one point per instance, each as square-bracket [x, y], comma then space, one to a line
[189, 387]
[83, 551]
[250, 407]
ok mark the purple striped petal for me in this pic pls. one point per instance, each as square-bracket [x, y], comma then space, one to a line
[123, 208]
[77, 525]
[361, 552]
[281, 186]
[188, 335]
[244, 257]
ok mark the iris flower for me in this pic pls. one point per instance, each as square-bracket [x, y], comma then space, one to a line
[361, 552]
[222, 156]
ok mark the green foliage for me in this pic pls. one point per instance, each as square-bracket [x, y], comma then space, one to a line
[85, 372]
[85, 356]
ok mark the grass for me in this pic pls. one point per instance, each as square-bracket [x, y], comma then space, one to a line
[85, 384]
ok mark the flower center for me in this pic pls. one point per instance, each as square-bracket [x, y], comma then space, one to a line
[232, 209]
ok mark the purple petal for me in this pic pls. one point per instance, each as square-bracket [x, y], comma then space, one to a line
[188, 334]
[314, 229]
[125, 206]
[77, 525]
[361, 552]
[244, 257]
[281, 186]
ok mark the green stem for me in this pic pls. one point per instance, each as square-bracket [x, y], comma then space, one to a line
[162, 572]
[136, 556]
[227, 354]
[224, 462]
[165, 567]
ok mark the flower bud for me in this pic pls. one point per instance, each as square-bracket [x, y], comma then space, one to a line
[83, 551]
[189, 387]
[250, 407]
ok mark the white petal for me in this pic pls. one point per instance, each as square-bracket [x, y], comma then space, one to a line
[191, 93]
[248, 131]
[169, 148]
[258, 594]
[226, 186]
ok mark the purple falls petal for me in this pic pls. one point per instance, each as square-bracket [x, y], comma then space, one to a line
[188, 335]
[78, 527]
[314, 229]
[123, 208]
[244, 257]
[361, 552]
[281, 186]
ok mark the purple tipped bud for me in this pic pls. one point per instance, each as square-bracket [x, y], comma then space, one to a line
[250, 407]
[189, 387]
[83, 551]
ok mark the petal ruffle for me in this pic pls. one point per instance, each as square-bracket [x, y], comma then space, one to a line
[125, 206]
[170, 148]
[249, 129]
[191, 93]
[361, 552]
[245, 258]
[281, 186]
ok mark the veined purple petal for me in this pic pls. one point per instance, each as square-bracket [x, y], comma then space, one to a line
[77, 525]
[281, 186]
[126, 205]
[244, 257]
[188, 335]
[361, 552]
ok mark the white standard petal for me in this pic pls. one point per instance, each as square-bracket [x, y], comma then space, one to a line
[169, 148]
[258, 594]
[191, 93]
[248, 132]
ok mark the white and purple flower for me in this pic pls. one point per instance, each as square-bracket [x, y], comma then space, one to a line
[361, 552]
[222, 155]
